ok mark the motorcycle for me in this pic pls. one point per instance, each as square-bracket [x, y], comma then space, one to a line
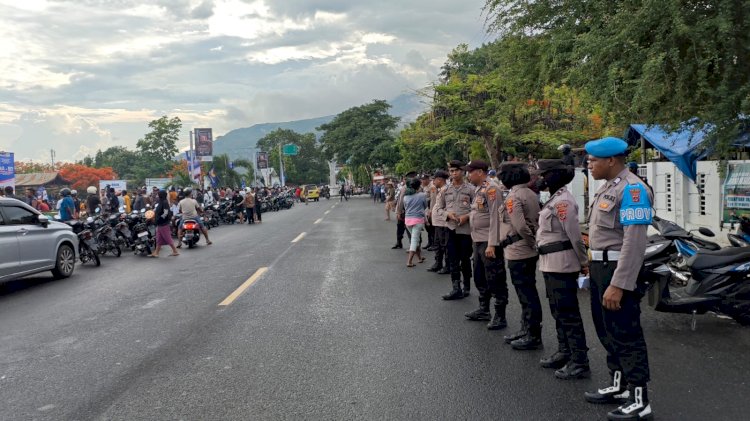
[679, 245]
[105, 236]
[191, 232]
[742, 237]
[123, 233]
[87, 247]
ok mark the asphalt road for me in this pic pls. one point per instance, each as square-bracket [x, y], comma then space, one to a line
[337, 328]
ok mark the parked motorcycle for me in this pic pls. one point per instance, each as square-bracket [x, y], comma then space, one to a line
[87, 247]
[105, 236]
[742, 237]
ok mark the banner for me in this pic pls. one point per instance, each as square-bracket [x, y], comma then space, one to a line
[7, 170]
[262, 160]
[194, 167]
[159, 183]
[213, 178]
[204, 144]
[118, 185]
[737, 192]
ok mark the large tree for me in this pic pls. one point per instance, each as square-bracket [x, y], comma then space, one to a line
[122, 160]
[158, 147]
[308, 166]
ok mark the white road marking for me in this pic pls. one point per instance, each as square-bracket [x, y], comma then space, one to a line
[299, 237]
[245, 285]
[319, 221]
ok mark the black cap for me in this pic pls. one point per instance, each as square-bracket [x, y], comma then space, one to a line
[476, 164]
[544, 165]
[442, 174]
[411, 174]
[456, 164]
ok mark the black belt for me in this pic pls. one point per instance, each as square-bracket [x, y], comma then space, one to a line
[555, 247]
[510, 240]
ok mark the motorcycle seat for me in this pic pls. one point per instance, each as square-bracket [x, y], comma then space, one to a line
[705, 259]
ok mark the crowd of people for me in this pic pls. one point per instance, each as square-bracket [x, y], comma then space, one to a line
[487, 225]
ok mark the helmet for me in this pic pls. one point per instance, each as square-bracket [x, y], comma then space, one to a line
[74, 192]
[91, 190]
[65, 192]
[633, 165]
[492, 173]
[187, 192]
[564, 148]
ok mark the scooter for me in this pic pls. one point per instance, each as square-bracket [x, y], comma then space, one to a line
[742, 237]
[105, 237]
[87, 248]
[191, 232]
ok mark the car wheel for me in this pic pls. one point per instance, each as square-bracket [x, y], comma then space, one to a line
[65, 262]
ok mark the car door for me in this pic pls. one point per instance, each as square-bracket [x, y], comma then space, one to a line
[36, 244]
[9, 254]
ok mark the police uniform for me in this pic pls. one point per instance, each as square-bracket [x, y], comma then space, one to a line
[562, 254]
[489, 274]
[618, 219]
[519, 215]
[430, 192]
[441, 227]
[458, 199]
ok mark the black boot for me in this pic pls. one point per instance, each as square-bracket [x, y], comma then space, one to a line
[498, 321]
[573, 371]
[616, 393]
[532, 340]
[482, 314]
[518, 335]
[435, 268]
[397, 246]
[637, 407]
[444, 271]
[455, 293]
[558, 359]
[467, 289]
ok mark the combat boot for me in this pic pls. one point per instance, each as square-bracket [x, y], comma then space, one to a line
[532, 340]
[518, 335]
[573, 370]
[482, 314]
[498, 321]
[637, 407]
[455, 293]
[467, 289]
[558, 359]
[616, 393]
[444, 271]
[435, 268]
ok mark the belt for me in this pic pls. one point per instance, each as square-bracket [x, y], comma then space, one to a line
[604, 255]
[510, 240]
[555, 247]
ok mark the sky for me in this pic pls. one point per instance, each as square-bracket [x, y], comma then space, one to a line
[83, 75]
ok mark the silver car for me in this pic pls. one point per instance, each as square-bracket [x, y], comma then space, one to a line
[31, 243]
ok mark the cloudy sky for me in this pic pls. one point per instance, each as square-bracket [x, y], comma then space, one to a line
[82, 75]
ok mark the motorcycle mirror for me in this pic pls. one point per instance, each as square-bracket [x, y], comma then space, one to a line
[706, 232]
[97, 210]
[143, 210]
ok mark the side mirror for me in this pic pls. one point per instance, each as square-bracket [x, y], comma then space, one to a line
[43, 220]
[97, 210]
[706, 232]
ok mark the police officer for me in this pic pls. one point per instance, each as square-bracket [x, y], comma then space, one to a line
[456, 213]
[562, 256]
[519, 215]
[618, 221]
[489, 265]
[429, 190]
[441, 227]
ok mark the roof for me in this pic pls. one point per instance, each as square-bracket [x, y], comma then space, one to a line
[40, 179]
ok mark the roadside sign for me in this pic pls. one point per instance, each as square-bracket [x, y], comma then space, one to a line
[290, 149]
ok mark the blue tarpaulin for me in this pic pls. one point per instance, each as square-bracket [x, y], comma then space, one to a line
[682, 147]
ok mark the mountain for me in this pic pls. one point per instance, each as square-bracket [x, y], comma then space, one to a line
[241, 143]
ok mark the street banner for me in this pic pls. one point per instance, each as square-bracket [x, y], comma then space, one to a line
[194, 167]
[204, 144]
[118, 185]
[159, 183]
[262, 160]
[737, 192]
[7, 170]
[213, 178]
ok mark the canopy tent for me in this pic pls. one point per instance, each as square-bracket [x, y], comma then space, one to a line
[682, 147]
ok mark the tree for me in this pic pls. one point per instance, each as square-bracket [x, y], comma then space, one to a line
[308, 166]
[36, 167]
[122, 160]
[81, 176]
[158, 147]
[225, 170]
[353, 135]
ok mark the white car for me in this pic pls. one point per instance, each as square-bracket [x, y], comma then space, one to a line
[31, 243]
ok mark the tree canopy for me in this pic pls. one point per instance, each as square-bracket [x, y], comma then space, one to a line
[308, 166]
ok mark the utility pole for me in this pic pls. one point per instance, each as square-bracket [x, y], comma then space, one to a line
[281, 167]
[52, 156]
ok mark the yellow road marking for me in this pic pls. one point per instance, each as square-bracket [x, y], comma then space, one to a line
[245, 285]
[299, 237]
[319, 221]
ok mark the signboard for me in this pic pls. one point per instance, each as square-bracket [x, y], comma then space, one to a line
[737, 192]
[204, 144]
[119, 185]
[7, 170]
[159, 183]
[290, 149]
[262, 160]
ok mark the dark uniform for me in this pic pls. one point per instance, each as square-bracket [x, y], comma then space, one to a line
[441, 226]
[562, 255]
[489, 273]
[618, 222]
[519, 216]
[458, 199]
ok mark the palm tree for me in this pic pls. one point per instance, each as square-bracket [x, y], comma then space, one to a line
[230, 176]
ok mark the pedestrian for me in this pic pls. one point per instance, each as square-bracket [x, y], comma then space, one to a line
[30, 198]
[390, 203]
[562, 256]
[258, 212]
[619, 218]
[250, 206]
[93, 203]
[163, 229]
[519, 223]
[459, 195]
[489, 264]
[400, 225]
[415, 206]
[440, 226]
[429, 189]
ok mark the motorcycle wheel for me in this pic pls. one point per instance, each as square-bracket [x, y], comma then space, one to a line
[97, 261]
[116, 250]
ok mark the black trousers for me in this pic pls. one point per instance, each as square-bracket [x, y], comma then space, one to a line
[258, 212]
[459, 250]
[619, 331]
[489, 276]
[523, 275]
[441, 241]
[562, 292]
[430, 234]
[400, 230]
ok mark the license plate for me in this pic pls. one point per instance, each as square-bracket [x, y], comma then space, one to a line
[143, 234]
[188, 235]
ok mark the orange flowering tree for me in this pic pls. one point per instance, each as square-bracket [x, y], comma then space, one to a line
[82, 176]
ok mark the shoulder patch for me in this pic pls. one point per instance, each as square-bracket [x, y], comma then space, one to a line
[509, 205]
[562, 210]
[492, 193]
[636, 206]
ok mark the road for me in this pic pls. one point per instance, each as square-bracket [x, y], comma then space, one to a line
[336, 328]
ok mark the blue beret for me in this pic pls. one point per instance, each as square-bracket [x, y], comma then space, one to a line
[607, 147]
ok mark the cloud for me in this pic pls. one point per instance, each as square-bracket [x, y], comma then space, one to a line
[83, 74]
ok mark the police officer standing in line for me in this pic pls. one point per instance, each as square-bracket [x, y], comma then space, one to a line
[562, 255]
[441, 226]
[618, 221]
[429, 190]
[489, 264]
[459, 196]
[519, 216]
